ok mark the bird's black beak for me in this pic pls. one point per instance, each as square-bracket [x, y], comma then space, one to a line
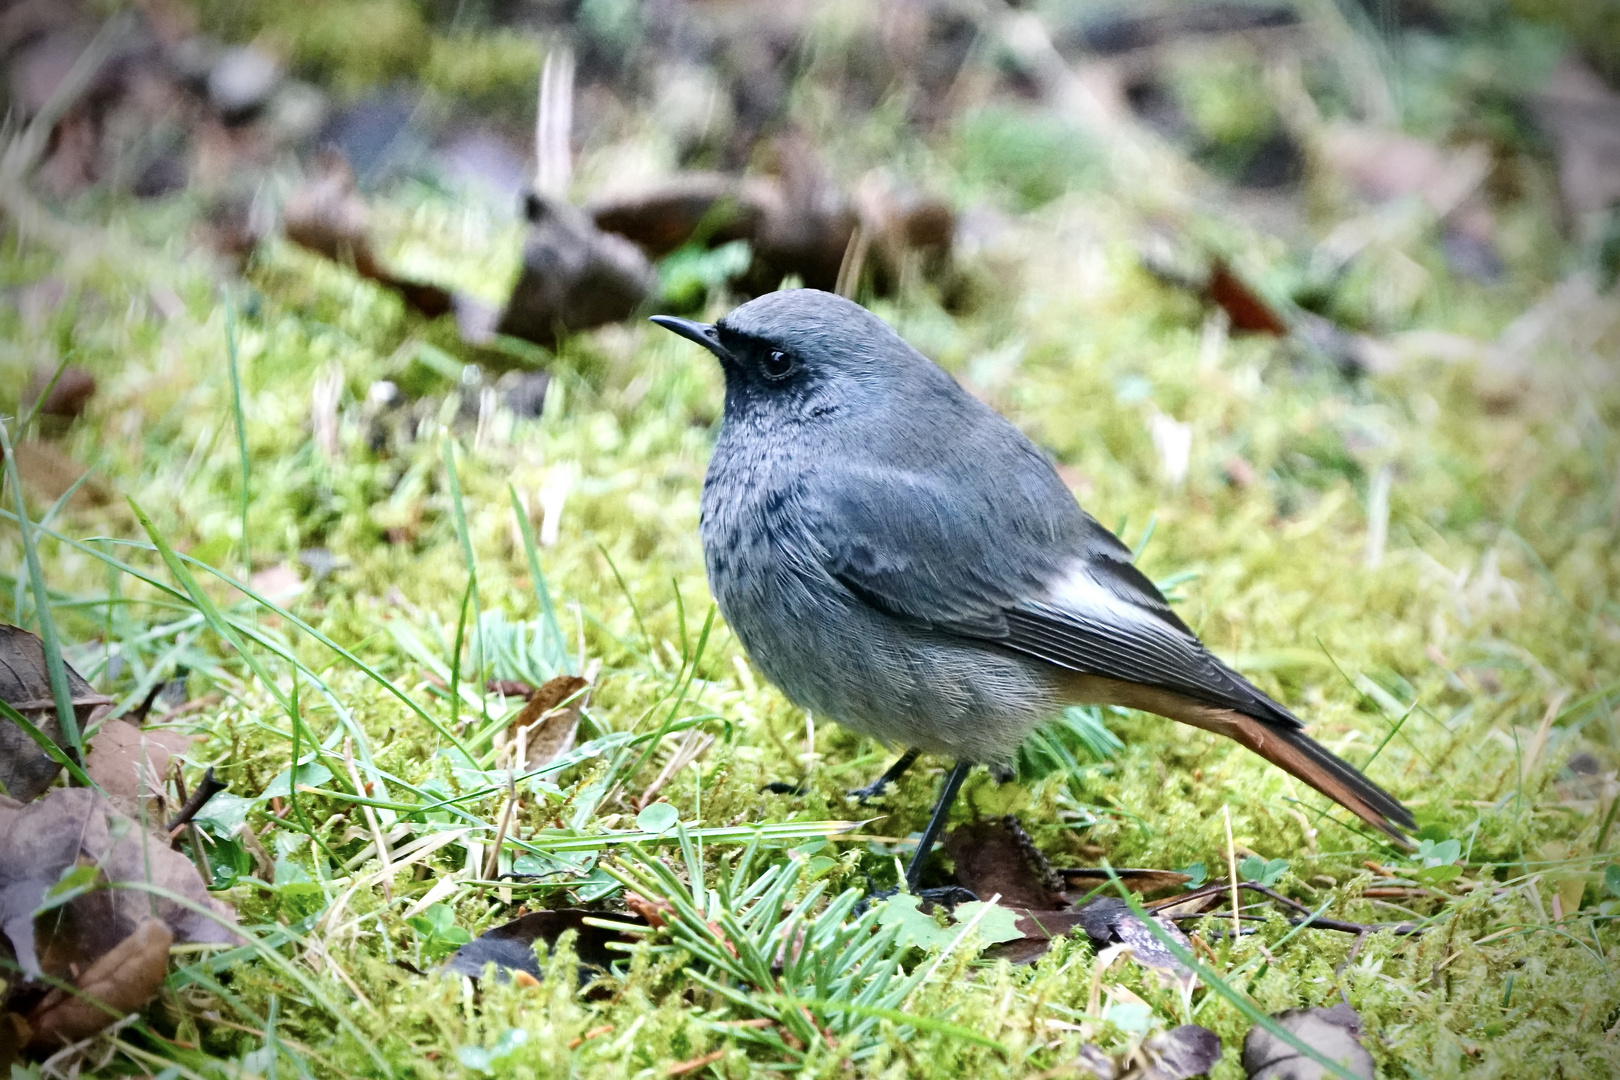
[704, 334]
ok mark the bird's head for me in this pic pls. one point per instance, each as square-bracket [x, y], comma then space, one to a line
[801, 352]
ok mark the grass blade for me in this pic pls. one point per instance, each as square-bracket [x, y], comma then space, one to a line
[55, 668]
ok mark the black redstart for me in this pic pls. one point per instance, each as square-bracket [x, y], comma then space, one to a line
[897, 556]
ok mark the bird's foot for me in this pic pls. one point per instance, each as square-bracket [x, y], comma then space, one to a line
[869, 791]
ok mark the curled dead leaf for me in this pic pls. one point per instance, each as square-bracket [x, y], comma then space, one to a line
[546, 725]
[122, 980]
[25, 685]
[79, 827]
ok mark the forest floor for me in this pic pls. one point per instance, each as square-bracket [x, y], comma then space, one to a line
[1416, 551]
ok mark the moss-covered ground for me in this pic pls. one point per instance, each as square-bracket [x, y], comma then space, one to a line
[1465, 660]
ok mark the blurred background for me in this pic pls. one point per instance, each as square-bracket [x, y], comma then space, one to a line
[1343, 151]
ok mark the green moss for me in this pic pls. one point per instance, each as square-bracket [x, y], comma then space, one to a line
[1493, 608]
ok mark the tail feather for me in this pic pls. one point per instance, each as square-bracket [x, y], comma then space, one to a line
[1282, 744]
[1302, 756]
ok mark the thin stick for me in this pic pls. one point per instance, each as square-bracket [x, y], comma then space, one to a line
[377, 836]
[492, 864]
[1231, 868]
[207, 788]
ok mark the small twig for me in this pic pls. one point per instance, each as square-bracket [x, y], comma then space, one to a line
[1264, 890]
[492, 864]
[207, 788]
[1231, 867]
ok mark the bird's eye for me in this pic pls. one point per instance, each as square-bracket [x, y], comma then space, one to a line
[778, 364]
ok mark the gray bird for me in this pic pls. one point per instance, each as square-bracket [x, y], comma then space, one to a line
[897, 556]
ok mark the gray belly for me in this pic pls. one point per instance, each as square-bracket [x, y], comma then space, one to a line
[839, 658]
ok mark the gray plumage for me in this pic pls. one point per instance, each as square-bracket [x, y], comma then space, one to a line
[897, 556]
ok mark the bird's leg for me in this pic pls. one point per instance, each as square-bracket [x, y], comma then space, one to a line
[936, 823]
[890, 775]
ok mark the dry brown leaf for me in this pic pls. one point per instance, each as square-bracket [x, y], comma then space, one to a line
[71, 827]
[121, 981]
[66, 397]
[25, 685]
[1249, 312]
[1143, 881]
[49, 474]
[328, 216]
[130, 763]
[548, 721]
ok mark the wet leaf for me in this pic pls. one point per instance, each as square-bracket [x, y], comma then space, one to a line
[1335, 1033]
[25, 769]
[997, 858]
[510, 946]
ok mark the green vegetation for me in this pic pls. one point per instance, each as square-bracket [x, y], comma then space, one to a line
[1464, 659]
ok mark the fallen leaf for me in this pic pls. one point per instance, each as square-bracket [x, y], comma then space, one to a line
[51, 474]
[546, 725]
[1334, 1033]
[1145, 882]
[25, 685]
[328, 216]
[66, 397]
[77, 827]
[1247, 309]
[1107, 921]
[119, 982]
[662, 217]
[998, 858]
[510, 946]
[130, 763]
